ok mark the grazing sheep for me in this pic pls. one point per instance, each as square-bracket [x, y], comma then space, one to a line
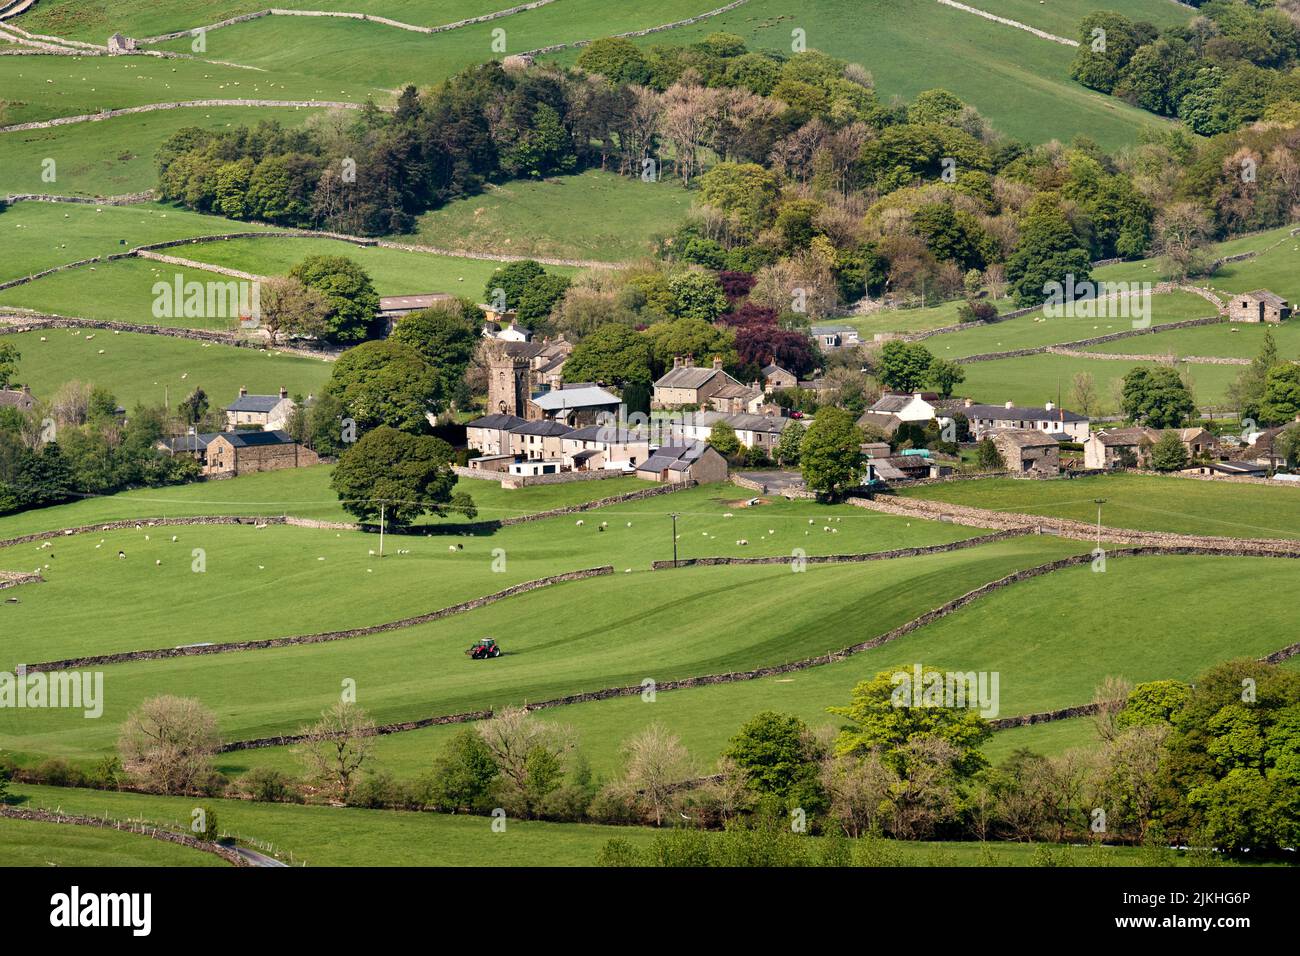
[157, 564]
[173, 539]
[121, 554]
[580, 522]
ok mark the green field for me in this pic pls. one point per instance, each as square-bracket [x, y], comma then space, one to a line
[1035, 379]
[1070, 651]
[138, 367]
[115, 156]
[35, 236]
[123, 291]
[32, 843]
[325, 836]
[394, 271]
[90, 21]
[350, 587]
[1049, 739]
[1036, 330]
[595, 215]
[1062, 16]
[1229, 339]
[56, 86]
[976, 59]
[605, 632]
[1144, 502]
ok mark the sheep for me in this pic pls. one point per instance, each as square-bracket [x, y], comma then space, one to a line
[173, 539]
[580, 522]
[157, 564]
[121, 554]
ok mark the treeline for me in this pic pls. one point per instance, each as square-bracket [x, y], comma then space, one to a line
[1232, 64]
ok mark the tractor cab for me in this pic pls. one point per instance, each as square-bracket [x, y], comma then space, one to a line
[484, 648]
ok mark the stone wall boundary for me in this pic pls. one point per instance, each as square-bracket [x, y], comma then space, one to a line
[847, 558]
[970, 597]
[123, 826]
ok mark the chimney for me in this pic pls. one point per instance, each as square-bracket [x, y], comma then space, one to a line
[242, 391]
[1009, 405]
[717, 361]
[968, 403]
[677, 361]
[27, 390]
[1049, 406]
[284, 392]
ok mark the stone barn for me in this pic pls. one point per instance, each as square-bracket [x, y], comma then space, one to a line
[1028, 453]
[118, 43]
[1258, 306]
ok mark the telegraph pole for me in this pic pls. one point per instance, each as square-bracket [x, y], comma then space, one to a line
[673, 515]
[381, 529]
[1099, 502]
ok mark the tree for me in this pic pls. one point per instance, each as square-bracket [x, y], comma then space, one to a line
[904, 366]
[779, 756]
[9, 358]
[787, 447]
[988, 457]
[353, 301]
[335, 748]
[654, 765]
[945, 375]
[614, 354]
[399, 475]
[1286, 445]
[505, 286]
[446, 338]
[291, 308]
[1168, 453]
[830, 455]
[1049, 253]
[723, 439]
[167, 743]
[692, 337]
[1157, 396]
[617, 59]
[386, 382]
[194, 407]
[463, 774]
[539, 298]
[881, 722]
[1083, 393]
[1248, 390]
[1281, 399]
[697, 295]
[1182, 234]
[527, 753]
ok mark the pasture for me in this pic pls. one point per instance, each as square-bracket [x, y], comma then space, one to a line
[32, 843]
[1144, 502]
[158, 369]
[1057, 662]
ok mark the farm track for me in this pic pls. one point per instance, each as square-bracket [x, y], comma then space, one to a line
[916, 623]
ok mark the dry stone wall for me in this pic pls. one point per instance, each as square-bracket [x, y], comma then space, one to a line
[124, 826]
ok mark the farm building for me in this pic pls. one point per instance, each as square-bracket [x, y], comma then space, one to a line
[227, 454]
[831, 337]
[1029, 453]
[737, 399]
[19, 398]
[259, 411]
[1131, 447]
[696, 461]
[885, 422]
[118, 43]
[394, 308]
[908, 406]
[1258, 306]
[576, 404]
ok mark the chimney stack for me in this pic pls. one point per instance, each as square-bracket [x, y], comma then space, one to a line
[242, 391]
[717, 361]
[1009, 405]
[1050, 406]
[968, 402]
[677, 361]
[284, 392]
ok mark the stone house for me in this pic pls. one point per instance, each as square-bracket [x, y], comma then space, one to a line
[685, 384]
[227, 454]
[267, 412]
[737, 399]
[490, 435]
[604, 446]
[19, 398]
[537, 440]
[1028, 453]
[696, 461]
[1131, 447]
[830, 337]
[1258, 306]
[394, 308]
[908, 406]
[776, 378]
[987, 420]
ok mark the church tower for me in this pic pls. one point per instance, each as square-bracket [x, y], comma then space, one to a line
[507, 380]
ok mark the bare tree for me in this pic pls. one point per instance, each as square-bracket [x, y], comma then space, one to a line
[1127, 779]
[655, 764]
[1110, 696]
[336, 747]
[1083, 393]
[690, 113]
[71, 404]
[860, 792]
[1182, 235]
[513, 734]
[291, 308]
[167, 743]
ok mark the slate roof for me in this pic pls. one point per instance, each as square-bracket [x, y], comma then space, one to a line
[674, 457]
[255, 439]
[1025, 438]
[688, 376]
[1263, 295]
[544, 428]
[1016, 413]
[16, 398]
[412, 303]
[254, 403]
[581, 396]
[498, 421]
[605, 433]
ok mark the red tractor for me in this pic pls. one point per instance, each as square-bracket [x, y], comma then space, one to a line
[485, 648]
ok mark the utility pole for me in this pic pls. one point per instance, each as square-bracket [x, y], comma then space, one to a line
[381, 529]
[673, 515]
[1100, 502]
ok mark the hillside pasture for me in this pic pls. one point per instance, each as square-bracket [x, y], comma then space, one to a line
[1143, 502]
[35, 843]
[603, 632]
[152, 369]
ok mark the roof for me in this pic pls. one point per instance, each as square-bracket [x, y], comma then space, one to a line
[581, 396]
[545, 428]
[255, 439]
[16, 398]
[1019, 413]
[605, 433]
[736, 390]
[1025, 438]
[1238, 467]
[255, 403]
[688, 376]
[1263, 295]
[412, 303]
[831, 329]
[1126, 437]
[772, 369]
[587, 453]
[882, 420]
[190, 442]
[897, 401]
[498, 421]
[885, 468]
[674, 457]
[554, 363]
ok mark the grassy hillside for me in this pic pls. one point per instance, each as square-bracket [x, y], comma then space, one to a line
[115, 156]
[148, 368]
[29, 843]
[1062, 16]
[596, 215]
[1145, 502]
[1233, 340]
